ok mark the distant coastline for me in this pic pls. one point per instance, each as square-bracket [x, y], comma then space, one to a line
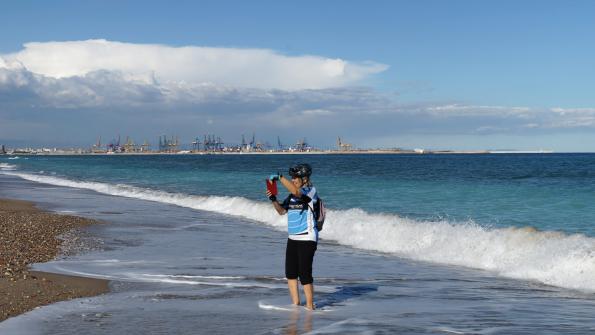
[312, 152]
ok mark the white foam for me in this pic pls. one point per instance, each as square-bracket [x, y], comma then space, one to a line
[285, 305]
[275, 306]
[196, 277]
[7, 167]
[66, 211]
[552, 258]
[225, 281]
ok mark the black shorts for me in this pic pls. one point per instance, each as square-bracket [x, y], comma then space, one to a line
[299, 256]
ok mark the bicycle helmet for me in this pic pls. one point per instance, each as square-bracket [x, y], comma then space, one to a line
[300, 171]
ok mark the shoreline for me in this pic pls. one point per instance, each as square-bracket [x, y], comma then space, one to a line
[29, 235]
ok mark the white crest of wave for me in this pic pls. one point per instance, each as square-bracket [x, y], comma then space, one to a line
[235, 206]
[552, 258]
[7, 167]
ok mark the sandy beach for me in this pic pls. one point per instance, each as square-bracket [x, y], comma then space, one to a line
[29, 235]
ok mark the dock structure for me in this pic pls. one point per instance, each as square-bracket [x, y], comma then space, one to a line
[280, 146]
[252, 145]
[173, 145]
[130, 146]
[145, 147]
[168, 145]
[302, 146]
[257, 145]
[162, 143]
[114, 146]
[196, 144]
[212, 143]
[96, 148]
[244, 147]
[342, 146]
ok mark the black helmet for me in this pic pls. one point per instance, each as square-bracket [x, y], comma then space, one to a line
[300, 170]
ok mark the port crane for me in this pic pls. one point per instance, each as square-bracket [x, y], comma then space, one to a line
[342, 146]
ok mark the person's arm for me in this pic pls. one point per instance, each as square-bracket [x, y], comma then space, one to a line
[287, 183]
[290, 187]
[280, 209]
[297, 192]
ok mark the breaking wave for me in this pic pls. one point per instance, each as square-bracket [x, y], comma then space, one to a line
[7, 167]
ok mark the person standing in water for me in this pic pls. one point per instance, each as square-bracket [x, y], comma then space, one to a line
[301, 226]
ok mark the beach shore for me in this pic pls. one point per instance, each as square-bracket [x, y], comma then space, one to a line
[29, 235]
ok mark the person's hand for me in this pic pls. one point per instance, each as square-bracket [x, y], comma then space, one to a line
[271, 196]
[275, 177]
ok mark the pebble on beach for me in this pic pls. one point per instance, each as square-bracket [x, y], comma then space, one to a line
[27, 236]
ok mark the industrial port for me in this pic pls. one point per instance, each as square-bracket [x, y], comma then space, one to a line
[206, 144]
[212, 144]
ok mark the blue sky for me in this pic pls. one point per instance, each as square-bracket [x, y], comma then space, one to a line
[436, 74]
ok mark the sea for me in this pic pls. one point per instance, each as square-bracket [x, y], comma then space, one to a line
[412, 244]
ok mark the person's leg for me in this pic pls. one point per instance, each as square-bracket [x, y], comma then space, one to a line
[309, 293]
[292, 285]
[306, 258]
[291, 271]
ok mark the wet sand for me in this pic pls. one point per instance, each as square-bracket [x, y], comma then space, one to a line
[29, 235]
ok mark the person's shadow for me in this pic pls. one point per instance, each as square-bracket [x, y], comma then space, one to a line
[344, 293]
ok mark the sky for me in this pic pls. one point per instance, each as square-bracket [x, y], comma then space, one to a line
[458, 75]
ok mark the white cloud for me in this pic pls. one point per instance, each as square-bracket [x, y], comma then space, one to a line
[193, 65]
[100, 88]
[317, 112]
[489, 129]
[571, 122]
[483, 110]
[565, 111]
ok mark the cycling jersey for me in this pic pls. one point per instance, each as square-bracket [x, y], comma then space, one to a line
[301, 225]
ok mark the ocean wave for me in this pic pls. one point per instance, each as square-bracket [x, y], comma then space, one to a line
[548, 257]
[7, 167]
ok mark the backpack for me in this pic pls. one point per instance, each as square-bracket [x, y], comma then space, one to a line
[319, 213]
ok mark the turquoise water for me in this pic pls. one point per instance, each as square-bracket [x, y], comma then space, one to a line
[544, 191]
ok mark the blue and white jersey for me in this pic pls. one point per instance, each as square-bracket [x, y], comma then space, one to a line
[300, 219]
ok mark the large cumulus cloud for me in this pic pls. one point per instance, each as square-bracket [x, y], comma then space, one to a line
[254, 68]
